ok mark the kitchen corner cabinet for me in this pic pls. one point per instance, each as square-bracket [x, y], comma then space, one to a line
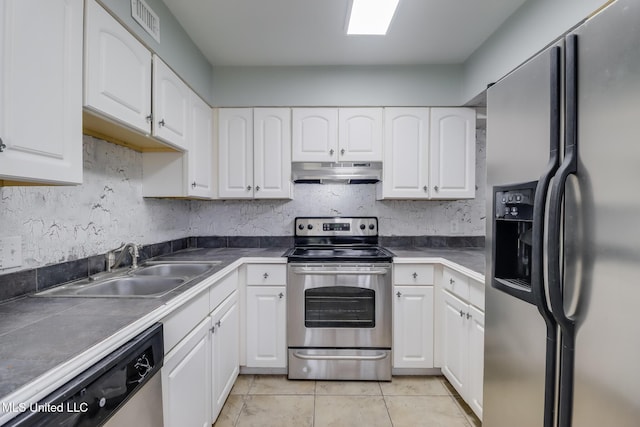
[184, 174]
[413, 316]
[452, 153]
[337, 134]
[41, 92]
[117, 71]
[429, 153]
[266, 316]
[462, 337]
[254, 153]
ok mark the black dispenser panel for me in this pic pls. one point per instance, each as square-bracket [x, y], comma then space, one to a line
[512, 240]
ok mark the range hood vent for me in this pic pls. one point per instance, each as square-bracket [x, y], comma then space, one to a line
[337, 173]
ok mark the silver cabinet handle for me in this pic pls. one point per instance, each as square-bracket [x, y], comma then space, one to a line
[343, 151]
[219, 323]
[265, 275]
[461, 313]
[398, 294]
[415, 275]
[248, 188]
[149, 118]
[331, 152]
[2, 146]
[257, 188]
[469, 316]
[193, 184]
[436, 188]
[451, 281]
[161, 123]
[425, 188]
[280, 295]
[212, 330]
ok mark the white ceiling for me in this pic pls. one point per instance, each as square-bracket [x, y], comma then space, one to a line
[312, 32]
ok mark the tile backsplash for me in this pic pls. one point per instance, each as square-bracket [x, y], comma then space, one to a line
[63, 224]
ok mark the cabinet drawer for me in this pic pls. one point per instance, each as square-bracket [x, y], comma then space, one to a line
[413, 274]
[179, 323]
[456, 283]
[476, 293]
[222, 289]
[266, 274]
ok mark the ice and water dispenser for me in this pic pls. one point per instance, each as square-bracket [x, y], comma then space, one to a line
[512, 240]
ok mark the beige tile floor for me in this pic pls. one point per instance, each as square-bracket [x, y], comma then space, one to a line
[272, 400]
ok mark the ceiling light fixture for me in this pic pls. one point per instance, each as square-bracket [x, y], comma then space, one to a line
[371, 17]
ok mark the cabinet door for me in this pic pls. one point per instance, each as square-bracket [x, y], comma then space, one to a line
[186, 380]
[235, 155]
[41, 91]
[454, 341]
[272, 153]
[360, 134]
[200, 155]
[225, 348]
[315, 135]
[476, 360]
[117, 71]
[453, 153]
[170, 106]
[266, 327]
[413, 327]
[406, 153]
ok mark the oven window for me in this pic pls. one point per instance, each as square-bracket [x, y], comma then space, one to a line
[339, 307]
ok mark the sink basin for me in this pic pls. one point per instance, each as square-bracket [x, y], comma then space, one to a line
[132, 286]
[174, 269]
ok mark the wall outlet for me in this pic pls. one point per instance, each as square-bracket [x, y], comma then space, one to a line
[454, 227]
[10, 252]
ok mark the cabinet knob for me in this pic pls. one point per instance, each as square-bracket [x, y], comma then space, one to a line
[469, 316]
[415, 275]
[2, 146]
[436, 188]
[342, 151]
[265, 275]
[331, 152]
[161, 123]
[425, 188]
[398, 294]
[461, 313]
[257, 188]
[193, 184]
[219, 323]
[149, 118]
[280, 295]
[451, 281]
[248, 188]
[212, 330]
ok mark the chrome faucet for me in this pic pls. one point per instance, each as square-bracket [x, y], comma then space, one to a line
[113, 262]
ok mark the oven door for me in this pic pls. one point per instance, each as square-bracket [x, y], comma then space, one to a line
[339, 305]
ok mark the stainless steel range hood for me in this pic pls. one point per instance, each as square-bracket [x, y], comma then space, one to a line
[337, 173]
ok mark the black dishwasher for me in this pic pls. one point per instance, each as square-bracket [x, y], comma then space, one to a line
[94, 396]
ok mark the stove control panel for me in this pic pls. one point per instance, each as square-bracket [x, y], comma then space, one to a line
[336, 226]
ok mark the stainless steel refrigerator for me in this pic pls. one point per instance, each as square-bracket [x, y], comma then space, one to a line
[562, 337]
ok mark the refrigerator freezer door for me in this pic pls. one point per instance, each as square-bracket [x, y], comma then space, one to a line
[518, 132]
[601, 229]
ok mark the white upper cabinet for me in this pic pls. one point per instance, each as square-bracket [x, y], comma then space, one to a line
[235, 151]
[315, 135]
[41, 91]
[360, 134]
[117, 71]
[200, 155]
[272, 153]
[452, 153]
[406, 154]
[254, 153]
[170, 106]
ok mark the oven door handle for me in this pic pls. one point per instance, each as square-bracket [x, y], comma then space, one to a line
[374, 271]
[304, 356]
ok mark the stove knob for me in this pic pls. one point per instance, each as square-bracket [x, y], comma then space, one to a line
[300, 227]
[362, 226]
[371, 226]
[310, 227]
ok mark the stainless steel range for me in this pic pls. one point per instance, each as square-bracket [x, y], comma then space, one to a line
[339, 301]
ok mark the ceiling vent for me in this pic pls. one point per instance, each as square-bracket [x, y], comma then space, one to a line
[147, 18]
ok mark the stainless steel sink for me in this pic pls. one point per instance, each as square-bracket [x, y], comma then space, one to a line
[152, 280]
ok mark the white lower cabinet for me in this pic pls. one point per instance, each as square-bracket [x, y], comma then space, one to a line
[266, 327]
[225, 347]
[463, 348]
[186, 380]
[413, 327]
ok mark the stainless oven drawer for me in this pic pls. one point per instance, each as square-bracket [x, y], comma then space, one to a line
[339, 364]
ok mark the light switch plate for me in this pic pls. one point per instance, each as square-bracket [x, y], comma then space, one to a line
[10, 252]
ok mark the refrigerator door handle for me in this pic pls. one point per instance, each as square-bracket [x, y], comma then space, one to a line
[556, 300]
